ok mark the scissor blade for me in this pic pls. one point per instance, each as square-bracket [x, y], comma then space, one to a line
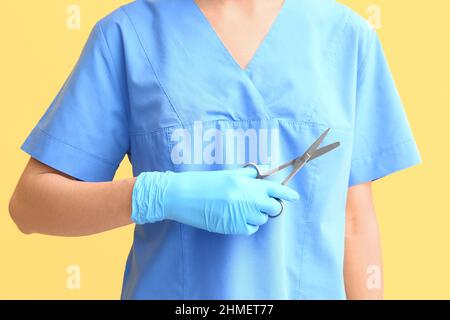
[300, 162]
[279, 168]
[312, 149]
[298, 165]
[320, 152]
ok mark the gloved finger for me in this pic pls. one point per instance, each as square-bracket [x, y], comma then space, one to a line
[246, 171]
[256, 218]
[270, 206]
[279, 191]
[251, 229]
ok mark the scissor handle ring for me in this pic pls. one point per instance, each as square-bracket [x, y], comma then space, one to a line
[281, 211]
[255, 166]
[259, 176]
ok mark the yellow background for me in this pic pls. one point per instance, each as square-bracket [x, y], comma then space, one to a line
[37, 53]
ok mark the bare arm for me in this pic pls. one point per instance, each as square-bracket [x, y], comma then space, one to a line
[49, 202]
[363, 265]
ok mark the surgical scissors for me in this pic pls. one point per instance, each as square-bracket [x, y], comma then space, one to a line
[297, 164]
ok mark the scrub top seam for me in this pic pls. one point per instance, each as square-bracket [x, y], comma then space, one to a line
[112, 62]
[182, 263]
[124, 92]
[332, 57]
[305, 231]
[361, 73]
[76, 148]
[180, 229]
[147, 56]
[310, 124]
[287, 121]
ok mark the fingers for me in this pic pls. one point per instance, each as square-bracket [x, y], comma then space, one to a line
[256, 218]
[250, 170]
[246, 171]
[251, 229]
[279, 191]
[270, 206]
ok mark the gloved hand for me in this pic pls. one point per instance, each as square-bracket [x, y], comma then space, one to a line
[227, 201]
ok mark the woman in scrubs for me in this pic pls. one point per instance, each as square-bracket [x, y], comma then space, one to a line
[154, 74]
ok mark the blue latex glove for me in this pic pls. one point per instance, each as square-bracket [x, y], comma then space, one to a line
[227, 201]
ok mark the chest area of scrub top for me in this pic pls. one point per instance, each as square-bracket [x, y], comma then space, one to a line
[203, 81]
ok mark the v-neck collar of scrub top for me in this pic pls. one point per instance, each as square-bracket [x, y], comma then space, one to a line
[198, 44]
[201, 17]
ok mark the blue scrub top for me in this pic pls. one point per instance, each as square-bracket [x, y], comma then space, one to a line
[153, 68]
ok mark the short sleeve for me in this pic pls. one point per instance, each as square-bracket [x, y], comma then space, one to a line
[383, 141]
[84, 132]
